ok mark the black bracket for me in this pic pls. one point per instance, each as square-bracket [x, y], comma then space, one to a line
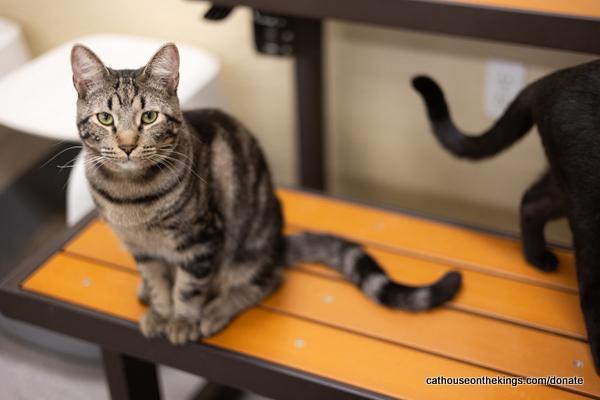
[217, 13]
[273, 33]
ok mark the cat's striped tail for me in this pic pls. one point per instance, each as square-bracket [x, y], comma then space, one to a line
[510, 127]
[356, 265]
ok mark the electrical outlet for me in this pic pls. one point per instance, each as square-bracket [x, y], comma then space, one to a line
[503, 81]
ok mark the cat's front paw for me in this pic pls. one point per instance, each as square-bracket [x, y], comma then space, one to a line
[152, 325]
[180, 331]
[212, 324]
[547, 262]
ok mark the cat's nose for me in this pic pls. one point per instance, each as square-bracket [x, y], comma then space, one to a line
[127, 148]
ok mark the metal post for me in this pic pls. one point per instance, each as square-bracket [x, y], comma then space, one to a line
[130, 378]
[309, 95]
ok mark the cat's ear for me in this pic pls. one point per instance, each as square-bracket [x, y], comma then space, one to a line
[88, 71]
[163, 68]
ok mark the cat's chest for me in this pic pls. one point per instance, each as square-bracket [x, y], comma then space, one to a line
[126, 215]
[141, 240]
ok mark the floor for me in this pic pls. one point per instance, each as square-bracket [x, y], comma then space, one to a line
[28, 372]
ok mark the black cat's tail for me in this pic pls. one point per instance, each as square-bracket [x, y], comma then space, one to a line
[510, 127]
[356, 265]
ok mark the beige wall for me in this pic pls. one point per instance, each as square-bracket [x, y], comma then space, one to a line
[380, 148]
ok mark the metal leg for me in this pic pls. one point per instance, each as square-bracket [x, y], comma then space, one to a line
[130, 378]
[309, 92]
[214, 391]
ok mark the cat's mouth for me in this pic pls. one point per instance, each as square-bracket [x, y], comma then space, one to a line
[131, 165]
[128, 164]
[121, 163]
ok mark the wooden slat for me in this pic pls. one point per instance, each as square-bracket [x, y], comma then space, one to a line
[583, 8]
[88, 284]
[540, 307]
[98, 240]
[343, 356]
[482, 341]
[422, 238]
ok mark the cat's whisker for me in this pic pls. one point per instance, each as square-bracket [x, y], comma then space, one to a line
[161, 162]
[86, 162]
[95, 162]
[171, 168]
[68, 164]
[71, 163]
[59, 153]
[156, 161]
[187, 166]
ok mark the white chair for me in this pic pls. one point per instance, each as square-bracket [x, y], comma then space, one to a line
[38, 98]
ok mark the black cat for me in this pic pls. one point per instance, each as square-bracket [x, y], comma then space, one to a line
[565, 106]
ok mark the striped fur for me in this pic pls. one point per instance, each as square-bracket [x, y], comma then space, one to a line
[195, 205]
[360, 268]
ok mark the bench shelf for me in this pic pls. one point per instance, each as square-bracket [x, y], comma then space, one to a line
[318, 336]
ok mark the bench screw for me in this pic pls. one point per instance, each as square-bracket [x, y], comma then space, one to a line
[86, 282]
[578, 364]
[299, 343]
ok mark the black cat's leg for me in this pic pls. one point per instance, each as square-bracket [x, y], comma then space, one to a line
[587, 254]
[541, 203]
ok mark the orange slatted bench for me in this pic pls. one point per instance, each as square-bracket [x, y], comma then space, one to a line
[318, 336]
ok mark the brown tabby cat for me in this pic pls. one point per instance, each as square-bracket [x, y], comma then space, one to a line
[190, 196]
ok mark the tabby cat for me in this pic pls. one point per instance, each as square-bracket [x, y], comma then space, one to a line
[565, 106]
[190, 196]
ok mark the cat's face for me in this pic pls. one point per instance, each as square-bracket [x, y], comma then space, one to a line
[127, 119]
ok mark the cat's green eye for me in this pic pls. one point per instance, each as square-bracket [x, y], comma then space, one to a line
[149, 117]
[105, 118]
